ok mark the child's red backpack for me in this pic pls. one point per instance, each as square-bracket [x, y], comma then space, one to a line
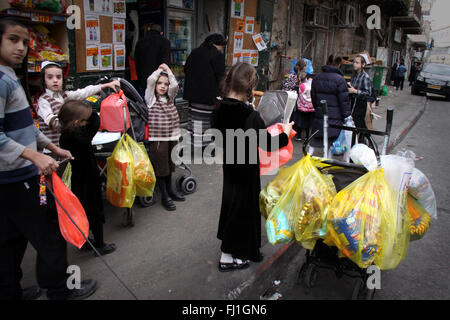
[112, 113]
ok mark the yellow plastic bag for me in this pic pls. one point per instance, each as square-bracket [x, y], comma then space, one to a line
[420, 218]
[366, 225]
[143, 173]
[120, 187]
[295, 203]
[67, 176]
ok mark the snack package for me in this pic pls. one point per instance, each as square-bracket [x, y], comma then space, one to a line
[363, 223]
[120, 187]
[420, 218]
[420, 189]
[295, 202]
[143, 173]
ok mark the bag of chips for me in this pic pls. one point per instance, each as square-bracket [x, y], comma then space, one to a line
[295, 203]
[120, 187]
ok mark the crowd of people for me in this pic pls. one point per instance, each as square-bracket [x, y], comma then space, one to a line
[68, 126]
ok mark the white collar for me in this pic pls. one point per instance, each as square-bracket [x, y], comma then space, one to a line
[9, 71]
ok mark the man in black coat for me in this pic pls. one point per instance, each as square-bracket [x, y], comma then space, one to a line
[204, 69]
[150, 53]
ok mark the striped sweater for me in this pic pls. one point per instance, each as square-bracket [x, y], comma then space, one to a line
[17, 130]
[163, 121]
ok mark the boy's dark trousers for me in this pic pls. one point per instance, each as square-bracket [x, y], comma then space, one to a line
[23, 220]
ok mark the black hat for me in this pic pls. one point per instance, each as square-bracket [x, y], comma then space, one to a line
[216, 39]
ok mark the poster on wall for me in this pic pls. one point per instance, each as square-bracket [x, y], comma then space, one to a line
[254, 55]
[246, 56]
[249, 25]
[259, 42]
[237, 9]
[92, 27]
[240, 25]
[104, 7]
[118, 30]
[119, 57]
[106, 61]
[238, 41]
[119, 9]
[237, 55]
[92, 58]
[89, 7]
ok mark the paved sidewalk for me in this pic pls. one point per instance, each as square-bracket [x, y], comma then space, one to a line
[174, 255]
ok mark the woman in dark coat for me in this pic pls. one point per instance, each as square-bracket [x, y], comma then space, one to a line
[240, 218]
[329, 85]
[79, 125]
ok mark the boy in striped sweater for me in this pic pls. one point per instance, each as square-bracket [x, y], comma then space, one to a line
[23, 217]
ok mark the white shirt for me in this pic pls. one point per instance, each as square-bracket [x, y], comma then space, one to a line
[44, 110]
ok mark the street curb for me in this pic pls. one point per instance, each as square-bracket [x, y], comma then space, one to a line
[284, 253]
[406, 128]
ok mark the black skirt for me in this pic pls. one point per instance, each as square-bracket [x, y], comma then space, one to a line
[160, 157]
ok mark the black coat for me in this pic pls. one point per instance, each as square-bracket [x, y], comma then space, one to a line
[149, 54]
[240, 217]
[330, 85]
[204, 69]
[86, 183]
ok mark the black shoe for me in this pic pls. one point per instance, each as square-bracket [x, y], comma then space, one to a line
[31, 293]
[225, 267]
[168, 204]
[106, 249]
[87, 288]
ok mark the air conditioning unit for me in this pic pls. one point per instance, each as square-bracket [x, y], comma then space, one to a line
[346, 16]
[316, 17]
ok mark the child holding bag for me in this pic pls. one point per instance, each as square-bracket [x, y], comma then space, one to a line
[53, 82]
[79, 124]
[164, 131]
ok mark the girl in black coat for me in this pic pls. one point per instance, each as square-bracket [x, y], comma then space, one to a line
[79, 126]
[240, 218]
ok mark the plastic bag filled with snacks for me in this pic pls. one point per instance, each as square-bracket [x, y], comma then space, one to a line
[420, 189]
[298, 208]
[363, 223]
[143, 173]
[420, 218]
[120, 188]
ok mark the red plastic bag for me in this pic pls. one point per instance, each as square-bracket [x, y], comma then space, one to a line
[271, 160]
[111, 113]
[74, 208]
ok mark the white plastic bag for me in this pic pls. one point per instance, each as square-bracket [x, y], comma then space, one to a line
[420, 189]
[362, 154]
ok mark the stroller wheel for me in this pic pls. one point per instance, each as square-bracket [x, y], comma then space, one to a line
[189, 185]
[180, 180]
[311, 276]
[146, 201]
[361, 291]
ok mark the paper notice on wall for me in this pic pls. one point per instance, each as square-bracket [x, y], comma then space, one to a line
[89, 6]
[119, 57]
[238, 41]
[240, 25]
[104, 7]
[246, 56]
[119, 8]
[92, 58]
[237, 55]
[259, 42]
[118, 30]
[254, 56]
[237, 9]
[92, 27]
[106, 57]
[249, 25]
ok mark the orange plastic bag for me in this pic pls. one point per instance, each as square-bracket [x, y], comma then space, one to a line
[271, 160]
[74, 208]
[112, 118]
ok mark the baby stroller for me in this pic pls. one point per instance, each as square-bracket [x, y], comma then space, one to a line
[139, 117]
[323, 256]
